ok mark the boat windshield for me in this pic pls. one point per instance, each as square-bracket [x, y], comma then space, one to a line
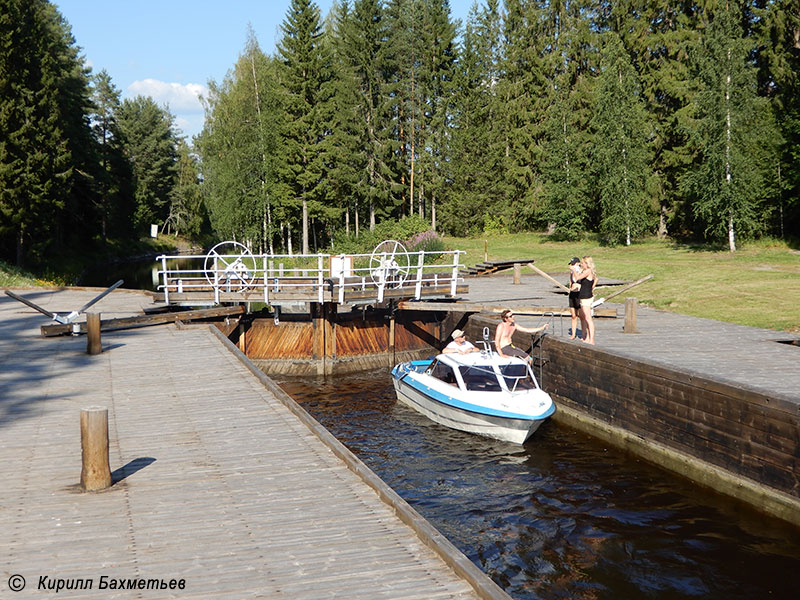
[480, 378]
[439, 370]
[517, 378]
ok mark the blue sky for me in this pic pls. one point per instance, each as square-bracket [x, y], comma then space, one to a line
[170, 49]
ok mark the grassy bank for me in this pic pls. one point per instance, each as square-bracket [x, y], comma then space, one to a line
[757, 286]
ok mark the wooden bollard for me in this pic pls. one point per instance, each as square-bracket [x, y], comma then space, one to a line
[95, 470]
[517, 273]
[93, 343]
[630, 315]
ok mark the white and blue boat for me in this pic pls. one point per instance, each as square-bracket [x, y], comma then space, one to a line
[480, 392]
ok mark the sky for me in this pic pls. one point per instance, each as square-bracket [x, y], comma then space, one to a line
[170, 49]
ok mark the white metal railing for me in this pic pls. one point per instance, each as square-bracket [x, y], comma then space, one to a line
[313, 274]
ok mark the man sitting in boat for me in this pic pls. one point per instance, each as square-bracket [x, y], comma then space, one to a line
[505, 332]
[459, 344]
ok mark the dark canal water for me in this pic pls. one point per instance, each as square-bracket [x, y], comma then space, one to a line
[564, 516]
[140, 274]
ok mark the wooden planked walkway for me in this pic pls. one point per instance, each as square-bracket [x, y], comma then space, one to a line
[217, 482]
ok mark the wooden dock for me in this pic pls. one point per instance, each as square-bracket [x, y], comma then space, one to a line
[222, 485]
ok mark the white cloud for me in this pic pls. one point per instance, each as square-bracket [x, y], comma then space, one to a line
[181, 98]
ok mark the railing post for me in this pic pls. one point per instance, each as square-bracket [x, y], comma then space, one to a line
[216, 281]
[420, 272]
[320, 278]
[166, 279]
[517, 273]
[381, 277]
[267, 270]
[454, 280]
[341, 280]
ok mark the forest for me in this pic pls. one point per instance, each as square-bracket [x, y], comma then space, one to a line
[623, 120]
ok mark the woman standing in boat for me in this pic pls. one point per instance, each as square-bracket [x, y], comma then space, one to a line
[505, 332]
[588, 279]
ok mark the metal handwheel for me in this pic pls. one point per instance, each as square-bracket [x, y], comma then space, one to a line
[230, 265]
[389, 264]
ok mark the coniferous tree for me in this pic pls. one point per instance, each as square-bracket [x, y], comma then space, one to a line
[365, 50]
[621, 160]
[566, 117]
[305, 70]
[521, 91]
[780, 81]
[658, 36]
[474, 155]
[43, 102]
[151, 147]
[113, 182]
[345, 152]
[187, 216]
[735, 135]
[437, 74]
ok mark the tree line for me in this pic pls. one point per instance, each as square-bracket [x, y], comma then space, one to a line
[79, 167]
[627, 119]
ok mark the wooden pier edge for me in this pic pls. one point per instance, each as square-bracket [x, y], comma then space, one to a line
[483, 585]
[765, 499]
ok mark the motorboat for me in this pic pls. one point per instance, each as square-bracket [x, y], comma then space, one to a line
[478, 392]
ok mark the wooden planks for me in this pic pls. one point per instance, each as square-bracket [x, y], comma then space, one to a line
[217, 481]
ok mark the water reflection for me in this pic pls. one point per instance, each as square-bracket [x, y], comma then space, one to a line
[137, 274]
[563, 516]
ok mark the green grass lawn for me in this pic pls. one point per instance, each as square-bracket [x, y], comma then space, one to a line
[758, 285]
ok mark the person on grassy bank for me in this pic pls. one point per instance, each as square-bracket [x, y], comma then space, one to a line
[504, 333]
[588, 280]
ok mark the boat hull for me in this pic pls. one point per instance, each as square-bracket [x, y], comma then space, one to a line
[506, 429]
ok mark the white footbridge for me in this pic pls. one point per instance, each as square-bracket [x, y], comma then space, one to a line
[231, 273]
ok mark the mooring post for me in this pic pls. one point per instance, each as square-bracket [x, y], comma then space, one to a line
[630, 315]
[95, 470]
[517, 273]
[93, 344]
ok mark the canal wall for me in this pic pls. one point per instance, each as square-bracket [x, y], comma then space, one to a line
[737, 441]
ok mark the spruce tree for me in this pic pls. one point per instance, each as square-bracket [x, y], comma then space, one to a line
[304, 73]
[366, 53]
[621, 160]
[114, 179]
[345, 152]
[779, 38]
[568, 61]
[151, 147]
[735, 135]
[474, 158]
[43, 108]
